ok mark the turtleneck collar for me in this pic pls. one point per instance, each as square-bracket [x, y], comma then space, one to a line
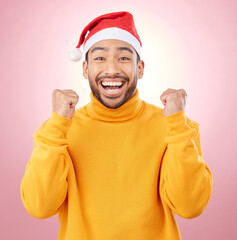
[128, 110]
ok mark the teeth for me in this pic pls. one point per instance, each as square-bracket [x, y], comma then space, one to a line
[113, 90]
[112, 83]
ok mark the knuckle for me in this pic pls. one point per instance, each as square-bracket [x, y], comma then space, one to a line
[54, 91]
[182, 90]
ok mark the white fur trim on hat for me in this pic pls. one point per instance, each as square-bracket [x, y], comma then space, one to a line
[75, 55]
[113, 33]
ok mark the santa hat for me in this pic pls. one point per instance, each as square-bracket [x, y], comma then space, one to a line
[116, 25]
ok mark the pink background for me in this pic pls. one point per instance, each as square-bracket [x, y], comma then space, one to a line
[189, 44]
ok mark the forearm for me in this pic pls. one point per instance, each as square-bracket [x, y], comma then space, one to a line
[44, 185]
[186, 180]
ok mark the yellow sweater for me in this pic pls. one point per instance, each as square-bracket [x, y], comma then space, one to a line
[117, 174]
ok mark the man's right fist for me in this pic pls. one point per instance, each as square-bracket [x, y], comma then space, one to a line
[64, 102]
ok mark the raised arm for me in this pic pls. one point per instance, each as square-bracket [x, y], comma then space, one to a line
[44, 184]
[185, 180]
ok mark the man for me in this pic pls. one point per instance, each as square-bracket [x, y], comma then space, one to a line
[118, 168]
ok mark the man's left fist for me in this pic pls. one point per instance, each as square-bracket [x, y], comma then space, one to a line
[173, 100]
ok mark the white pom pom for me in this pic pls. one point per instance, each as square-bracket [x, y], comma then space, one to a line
[75, 55]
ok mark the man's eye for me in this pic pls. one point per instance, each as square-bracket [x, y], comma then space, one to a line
[124, 58]
[99, 58]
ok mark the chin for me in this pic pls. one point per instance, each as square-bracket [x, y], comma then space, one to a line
[113, 103]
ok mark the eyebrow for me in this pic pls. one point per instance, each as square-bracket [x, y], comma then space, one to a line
[125, 48]
[106, 49]
[98, 48]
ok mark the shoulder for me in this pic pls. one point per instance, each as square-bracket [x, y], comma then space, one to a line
[152, 109]
[152, 114]
[80, 113]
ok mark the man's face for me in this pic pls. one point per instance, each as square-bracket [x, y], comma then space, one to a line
[112, 70]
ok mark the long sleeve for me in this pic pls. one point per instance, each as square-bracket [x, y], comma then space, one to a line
[185, 181]
[44, 184]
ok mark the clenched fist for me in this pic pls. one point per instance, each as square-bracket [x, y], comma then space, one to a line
[173, 100]
[64, 102]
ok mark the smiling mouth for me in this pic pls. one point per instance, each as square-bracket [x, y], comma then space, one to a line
[112, 88]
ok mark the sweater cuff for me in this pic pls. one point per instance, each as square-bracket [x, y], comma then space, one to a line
[176, 123]
[57, 126]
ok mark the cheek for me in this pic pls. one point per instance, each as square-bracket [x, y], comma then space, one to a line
[93, 71]
[131, 71]
[90, 71]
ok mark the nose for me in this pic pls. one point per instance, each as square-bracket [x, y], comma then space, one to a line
[112, 67]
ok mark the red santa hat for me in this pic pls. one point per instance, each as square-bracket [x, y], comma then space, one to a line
[116, 25]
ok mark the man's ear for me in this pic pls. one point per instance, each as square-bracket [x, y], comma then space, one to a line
[85, 69]
[140, 69]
